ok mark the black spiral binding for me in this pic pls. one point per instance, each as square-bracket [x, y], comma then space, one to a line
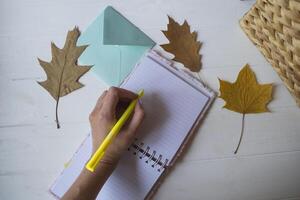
[151, 156]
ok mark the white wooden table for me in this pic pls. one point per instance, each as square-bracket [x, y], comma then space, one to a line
[33, 151]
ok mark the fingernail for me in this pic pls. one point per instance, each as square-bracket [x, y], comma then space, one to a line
[140, 101]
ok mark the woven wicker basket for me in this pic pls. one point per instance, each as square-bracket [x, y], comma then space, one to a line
[274, 27]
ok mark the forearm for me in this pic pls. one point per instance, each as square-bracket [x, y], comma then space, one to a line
[88, 184]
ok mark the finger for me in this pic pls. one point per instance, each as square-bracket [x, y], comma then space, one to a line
[121, 107]
[113, 96]
[131, 128]
[100, 101]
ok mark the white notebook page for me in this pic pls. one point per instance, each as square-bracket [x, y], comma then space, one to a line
[172, 107]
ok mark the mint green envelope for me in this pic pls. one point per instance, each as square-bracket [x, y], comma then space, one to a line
[115, 46]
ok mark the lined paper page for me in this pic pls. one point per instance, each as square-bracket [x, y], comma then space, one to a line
[171, 106]
[131, 180]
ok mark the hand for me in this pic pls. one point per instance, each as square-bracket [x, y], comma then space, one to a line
[108, 109]
[105, 114]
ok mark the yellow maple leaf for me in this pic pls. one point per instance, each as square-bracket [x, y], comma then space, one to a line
[245, 95]
[63, 72]
[183, 45]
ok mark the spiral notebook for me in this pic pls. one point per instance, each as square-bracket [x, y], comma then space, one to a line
[174, 103]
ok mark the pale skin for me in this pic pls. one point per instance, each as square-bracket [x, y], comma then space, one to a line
[109, 107]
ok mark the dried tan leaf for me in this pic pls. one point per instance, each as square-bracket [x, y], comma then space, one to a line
[183, 45]
[63, 72]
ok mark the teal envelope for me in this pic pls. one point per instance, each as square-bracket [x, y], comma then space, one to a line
[115, 46]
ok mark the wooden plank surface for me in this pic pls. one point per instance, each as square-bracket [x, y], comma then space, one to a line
[33, 151]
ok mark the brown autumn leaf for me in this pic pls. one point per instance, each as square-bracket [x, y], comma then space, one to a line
[63, 72]
[245, 95]
[183, 45]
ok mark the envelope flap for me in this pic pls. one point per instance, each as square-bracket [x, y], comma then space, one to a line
[117, 30]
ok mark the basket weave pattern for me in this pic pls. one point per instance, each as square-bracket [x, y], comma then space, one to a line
[274, 27]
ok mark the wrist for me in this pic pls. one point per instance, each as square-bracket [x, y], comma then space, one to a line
[105, 167]
[110, 157]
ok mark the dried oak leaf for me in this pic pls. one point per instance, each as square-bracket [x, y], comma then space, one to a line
[63, 72]
[245, 95]
[183, 45]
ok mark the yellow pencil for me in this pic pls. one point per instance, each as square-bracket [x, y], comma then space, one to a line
[95, 159]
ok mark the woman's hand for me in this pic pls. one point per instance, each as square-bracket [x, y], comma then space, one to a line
[105, 114]
[108, 109]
